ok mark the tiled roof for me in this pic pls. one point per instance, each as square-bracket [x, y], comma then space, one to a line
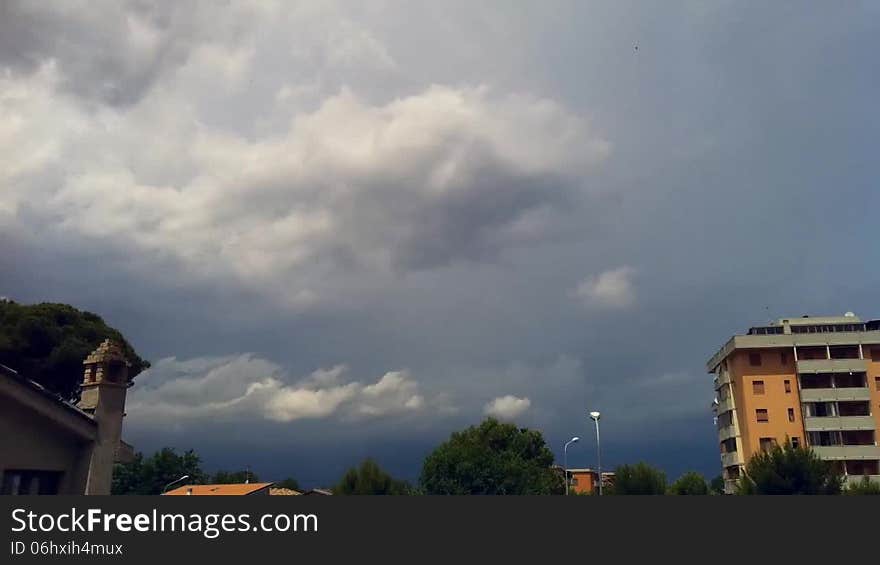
[219, 490]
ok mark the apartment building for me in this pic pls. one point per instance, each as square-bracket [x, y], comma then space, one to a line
[813, 380]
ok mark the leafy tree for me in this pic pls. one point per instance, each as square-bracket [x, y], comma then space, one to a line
[789, 470]
[233, 478]
[290, 483]
[640, 478]
[717, 485]
[150, 475]
[492, 458]
[369, 478]
[48, 343]
[865, 486]
[690, 483]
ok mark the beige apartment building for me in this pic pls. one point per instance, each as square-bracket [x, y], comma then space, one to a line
[813, 380]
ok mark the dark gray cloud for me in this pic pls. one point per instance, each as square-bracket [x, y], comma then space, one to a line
[506, 208]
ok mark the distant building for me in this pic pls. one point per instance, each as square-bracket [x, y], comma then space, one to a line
[242, 489]
[49, 446]
[814, 381]
[585, 481]
[318, 492]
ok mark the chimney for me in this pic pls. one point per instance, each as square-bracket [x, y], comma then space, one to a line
[104, 385]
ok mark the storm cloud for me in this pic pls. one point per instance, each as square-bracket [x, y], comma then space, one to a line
[346, 231]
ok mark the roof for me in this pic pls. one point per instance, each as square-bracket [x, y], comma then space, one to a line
[47, 404]
[319, 491]
[283, 492]
[243, 489]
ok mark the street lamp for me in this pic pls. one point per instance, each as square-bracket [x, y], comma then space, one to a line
[575, 439]
[595, 417]
[183, 478]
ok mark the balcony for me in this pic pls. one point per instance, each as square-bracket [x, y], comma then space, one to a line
[815, 424]
[725, 405]
[841, 452]
[729, 459]
[850, 479]
[832, 394]
[832, 366]
[726, 432]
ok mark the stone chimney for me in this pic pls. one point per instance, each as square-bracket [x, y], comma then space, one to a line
[103, 396]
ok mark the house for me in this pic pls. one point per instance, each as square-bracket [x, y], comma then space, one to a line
[50, 446]
[242, 489]
[585, 481]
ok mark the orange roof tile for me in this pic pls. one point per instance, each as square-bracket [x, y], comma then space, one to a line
[218, 490]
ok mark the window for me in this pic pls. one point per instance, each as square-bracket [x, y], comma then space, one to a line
[877, 383]
[795, 441]
[755, 359]
[758, 387]
[761, 414]
[30, 482]
[767, 443]
[787, 386]
[791, 414]
[783, 357]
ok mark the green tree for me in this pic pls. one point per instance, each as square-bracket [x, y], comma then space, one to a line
[691, 483]
[233, 478]
[492, 458]
[290, 483]
[48, 343]
[862, 487]
[150, 475]
[369, 478]
[789, 470]
[640, 478]
[717, 485]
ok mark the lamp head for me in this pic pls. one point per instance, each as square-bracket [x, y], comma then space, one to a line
[595, 415]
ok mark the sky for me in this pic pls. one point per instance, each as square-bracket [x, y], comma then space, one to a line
[342, 230]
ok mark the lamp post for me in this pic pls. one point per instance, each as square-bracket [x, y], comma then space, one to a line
[595, 417]
[183, 478]
[575, 439]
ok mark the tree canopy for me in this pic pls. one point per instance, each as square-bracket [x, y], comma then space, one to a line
[640, 478]
[369, 478]
[789, 470]
[48, 343]
[690, 483]
[150, 475]
[290, 483]
[492, 458]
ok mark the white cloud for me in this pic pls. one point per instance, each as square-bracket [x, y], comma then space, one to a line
[507, 407]
[435, 176]
[610, 289]
[248, 387]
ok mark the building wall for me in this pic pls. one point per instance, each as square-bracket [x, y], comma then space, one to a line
[773, 372]
[29, 441]
[872, 356]
[585, 482]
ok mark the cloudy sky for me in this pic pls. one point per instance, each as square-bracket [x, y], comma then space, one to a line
[344, 231]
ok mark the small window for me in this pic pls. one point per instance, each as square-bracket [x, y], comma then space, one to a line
[767, 443]
[761, 414]
[791, 414]
[758, 387]
[795, 442]
[783, 357]
[787, 385]
[755, 359]
[877, 383]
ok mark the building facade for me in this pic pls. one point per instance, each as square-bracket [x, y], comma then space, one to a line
[813, 380]
[49, 446]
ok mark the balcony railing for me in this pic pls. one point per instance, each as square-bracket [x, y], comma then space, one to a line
[726, 432]
[832, 394]
[841, 452]
[729, 459]
[832, 366]
[834, 423]
[725, 405]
